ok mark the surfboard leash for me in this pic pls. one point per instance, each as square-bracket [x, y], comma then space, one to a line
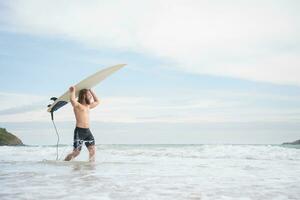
[57, 134]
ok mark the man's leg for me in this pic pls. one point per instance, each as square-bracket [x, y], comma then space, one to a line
[92, 152]
[72, 155]
[77, 144]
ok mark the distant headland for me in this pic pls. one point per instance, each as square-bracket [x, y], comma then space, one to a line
[295, 142]
[9, 139]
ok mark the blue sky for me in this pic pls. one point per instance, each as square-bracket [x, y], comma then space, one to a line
[192, 65]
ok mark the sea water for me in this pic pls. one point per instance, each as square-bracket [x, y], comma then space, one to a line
[155, 172]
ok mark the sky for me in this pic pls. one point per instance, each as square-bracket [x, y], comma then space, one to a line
[197, 71]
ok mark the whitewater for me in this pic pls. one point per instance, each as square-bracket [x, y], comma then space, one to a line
[126, 172]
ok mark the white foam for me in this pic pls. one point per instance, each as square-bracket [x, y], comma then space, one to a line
[153, 172]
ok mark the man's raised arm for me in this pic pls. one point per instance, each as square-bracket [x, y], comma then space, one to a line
[72, 96]
[96, 100]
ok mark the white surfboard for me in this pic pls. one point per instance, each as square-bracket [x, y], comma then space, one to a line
[87, 83]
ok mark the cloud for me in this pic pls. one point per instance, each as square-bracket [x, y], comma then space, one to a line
[252, 40]
[209, 106]
[22, 109]
[13, 101]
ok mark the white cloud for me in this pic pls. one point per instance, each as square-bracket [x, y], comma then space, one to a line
[252, 40]
[209, 106]
[13, 100]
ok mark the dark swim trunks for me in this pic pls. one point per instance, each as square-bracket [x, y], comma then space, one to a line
[83, 135]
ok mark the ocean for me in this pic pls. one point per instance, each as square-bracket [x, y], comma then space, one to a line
[154, 172]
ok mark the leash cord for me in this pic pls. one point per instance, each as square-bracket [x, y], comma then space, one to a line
[57, 134]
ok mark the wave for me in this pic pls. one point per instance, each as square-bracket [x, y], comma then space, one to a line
[248, 152]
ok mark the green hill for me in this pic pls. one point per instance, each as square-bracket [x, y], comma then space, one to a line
[7, 138]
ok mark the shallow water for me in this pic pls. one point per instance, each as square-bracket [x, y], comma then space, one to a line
[152, 172]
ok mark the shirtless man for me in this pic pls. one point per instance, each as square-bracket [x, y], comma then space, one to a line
[87, 100]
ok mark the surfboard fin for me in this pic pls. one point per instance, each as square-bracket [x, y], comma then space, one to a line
[53, 98]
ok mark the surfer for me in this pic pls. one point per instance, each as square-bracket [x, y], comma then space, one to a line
[87, 100]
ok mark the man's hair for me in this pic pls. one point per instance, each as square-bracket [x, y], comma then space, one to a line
[82, 97]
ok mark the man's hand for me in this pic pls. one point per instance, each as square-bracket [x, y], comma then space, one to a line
[72, 88]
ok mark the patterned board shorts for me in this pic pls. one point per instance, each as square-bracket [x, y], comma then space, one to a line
[83, 135]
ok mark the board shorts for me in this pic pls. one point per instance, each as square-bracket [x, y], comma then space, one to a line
[83, 135]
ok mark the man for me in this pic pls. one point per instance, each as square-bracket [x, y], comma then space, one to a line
[87, 100]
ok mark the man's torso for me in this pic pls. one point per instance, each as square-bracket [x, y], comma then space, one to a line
[82, 116]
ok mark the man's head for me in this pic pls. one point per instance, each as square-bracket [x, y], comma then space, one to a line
[85, 96]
